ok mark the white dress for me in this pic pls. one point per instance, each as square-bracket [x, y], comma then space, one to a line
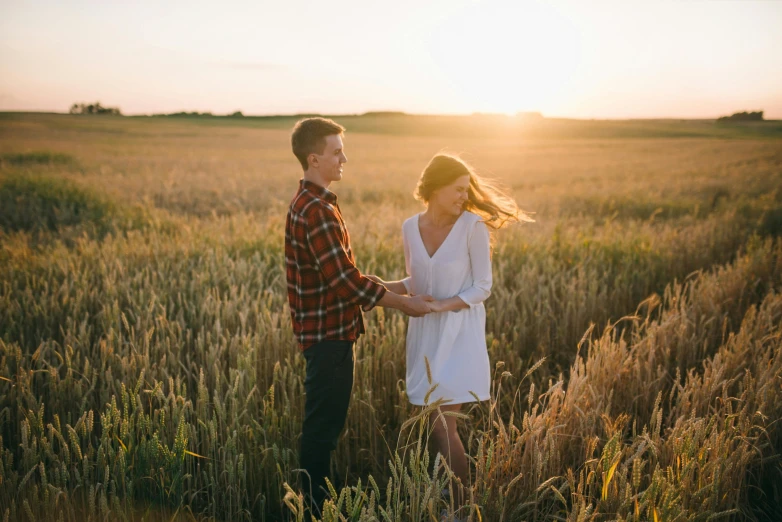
[453, 342]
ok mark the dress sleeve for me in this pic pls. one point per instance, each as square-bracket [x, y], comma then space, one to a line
[480, 265]
[407, 281]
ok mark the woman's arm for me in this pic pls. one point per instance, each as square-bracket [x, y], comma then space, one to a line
[480, 265]
[451, 304]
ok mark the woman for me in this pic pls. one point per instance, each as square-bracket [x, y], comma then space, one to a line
[448, 256]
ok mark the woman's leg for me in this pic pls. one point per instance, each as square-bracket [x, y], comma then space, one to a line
[447, 442]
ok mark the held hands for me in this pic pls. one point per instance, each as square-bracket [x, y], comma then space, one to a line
[435, 306]
[415, 305]
[419, 305]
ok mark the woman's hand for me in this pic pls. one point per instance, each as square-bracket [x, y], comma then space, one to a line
[435, 306]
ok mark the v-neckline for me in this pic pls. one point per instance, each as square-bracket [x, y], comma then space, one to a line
[421, 238]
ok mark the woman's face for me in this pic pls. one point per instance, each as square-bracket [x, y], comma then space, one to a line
[450, 199]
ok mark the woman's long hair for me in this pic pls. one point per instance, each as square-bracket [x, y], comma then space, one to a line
[484, 197]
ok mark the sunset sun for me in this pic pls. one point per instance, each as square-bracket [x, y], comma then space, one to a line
[509, 60]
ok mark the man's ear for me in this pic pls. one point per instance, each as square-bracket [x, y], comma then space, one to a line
[312, 160]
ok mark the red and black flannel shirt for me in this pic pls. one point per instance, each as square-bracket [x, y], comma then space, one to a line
[326, 292]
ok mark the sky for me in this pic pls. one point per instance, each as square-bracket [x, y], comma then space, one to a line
[576, 59]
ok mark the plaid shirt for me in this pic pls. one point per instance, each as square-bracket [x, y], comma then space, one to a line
[326, 292]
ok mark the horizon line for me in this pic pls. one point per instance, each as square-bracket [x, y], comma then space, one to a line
[533, 115]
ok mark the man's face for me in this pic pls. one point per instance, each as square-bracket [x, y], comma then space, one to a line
[329, 164]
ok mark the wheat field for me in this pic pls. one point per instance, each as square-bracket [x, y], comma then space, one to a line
[148, 369]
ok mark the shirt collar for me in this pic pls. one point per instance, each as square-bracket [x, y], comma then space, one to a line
[318, 191]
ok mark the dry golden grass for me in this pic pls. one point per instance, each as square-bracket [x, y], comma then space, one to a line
[147, 365]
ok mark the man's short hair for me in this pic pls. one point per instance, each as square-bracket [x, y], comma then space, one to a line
[309, 136]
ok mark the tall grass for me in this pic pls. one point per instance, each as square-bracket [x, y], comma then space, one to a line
[52, 208]
[156, 440]
[148, 369]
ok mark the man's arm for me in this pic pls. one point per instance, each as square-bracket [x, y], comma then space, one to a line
[398, 287]
[416, 306]
[344, 278]
[410, 306]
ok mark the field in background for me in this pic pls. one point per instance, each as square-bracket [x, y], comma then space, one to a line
[148, 369]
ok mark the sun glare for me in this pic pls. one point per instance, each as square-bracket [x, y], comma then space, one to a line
[507, 60]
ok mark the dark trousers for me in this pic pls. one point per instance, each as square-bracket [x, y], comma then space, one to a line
[328, 385]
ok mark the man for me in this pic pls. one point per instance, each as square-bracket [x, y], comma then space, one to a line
[326, 293]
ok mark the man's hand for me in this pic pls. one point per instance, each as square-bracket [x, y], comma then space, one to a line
[376, 279]
[418, 306]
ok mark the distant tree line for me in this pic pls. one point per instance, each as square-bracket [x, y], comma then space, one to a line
[384, 113]
[742, 116]
[93, 108]
[195, 114]
[97, 108]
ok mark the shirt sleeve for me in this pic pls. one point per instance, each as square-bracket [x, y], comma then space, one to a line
[480, 263]
[407, 281]
[338, 270]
